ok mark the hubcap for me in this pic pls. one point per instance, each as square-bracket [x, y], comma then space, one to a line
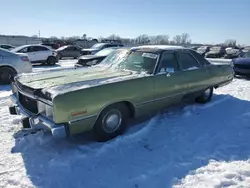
[112, 121]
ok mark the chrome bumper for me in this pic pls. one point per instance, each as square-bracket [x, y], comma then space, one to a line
[39, 121]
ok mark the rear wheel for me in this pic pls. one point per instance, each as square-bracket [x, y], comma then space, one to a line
[5, 75]
[206, 96]
[51, 61]
[111, 122]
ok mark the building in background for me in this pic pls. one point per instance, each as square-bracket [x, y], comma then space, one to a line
[19, 40]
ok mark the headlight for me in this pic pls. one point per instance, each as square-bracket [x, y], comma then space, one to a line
[45, 110]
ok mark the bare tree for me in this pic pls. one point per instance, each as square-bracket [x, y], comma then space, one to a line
[177, 39]
[160, 39]
[230, 42]
[185, 38]
[114, 37]
[142, 39]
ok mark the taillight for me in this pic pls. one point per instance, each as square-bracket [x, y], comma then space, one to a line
[25, 58]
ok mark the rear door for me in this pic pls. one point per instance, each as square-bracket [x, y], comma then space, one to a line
[168, 80]
[42, 53]
[195, 75]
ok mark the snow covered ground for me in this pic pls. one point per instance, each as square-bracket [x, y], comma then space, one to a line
[185, 147]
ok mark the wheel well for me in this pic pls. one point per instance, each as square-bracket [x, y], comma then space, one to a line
[127, 104]
[51, 57]
[6, 66]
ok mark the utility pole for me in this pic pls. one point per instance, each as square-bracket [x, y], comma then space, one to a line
[39, 33]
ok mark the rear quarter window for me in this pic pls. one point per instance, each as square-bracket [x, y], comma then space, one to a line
[199, 57]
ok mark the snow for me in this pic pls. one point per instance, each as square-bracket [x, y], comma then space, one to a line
[189, 146]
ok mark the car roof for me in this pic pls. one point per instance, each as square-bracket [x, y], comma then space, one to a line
[158, 48]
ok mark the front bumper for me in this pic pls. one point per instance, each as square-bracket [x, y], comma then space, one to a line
[38, 121]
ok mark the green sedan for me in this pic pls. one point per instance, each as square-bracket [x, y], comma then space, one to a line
[128, 84]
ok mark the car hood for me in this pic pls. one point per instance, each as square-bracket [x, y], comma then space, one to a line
[89, 57]
[89, 49]
[213, 52]
[241, 61]
[63, 81]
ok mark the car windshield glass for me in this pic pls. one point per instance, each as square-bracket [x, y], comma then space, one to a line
[62, 48]
[17, 48]
[202, 48]
[247, 55]
[215, 49]
[97, 46]
[137, 61]
[105, 52]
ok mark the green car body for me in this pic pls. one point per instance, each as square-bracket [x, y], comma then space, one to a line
[72, 101]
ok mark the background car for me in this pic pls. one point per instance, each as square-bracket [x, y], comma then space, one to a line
[52, 45]
[38, 53]
[216, 52]
[88, 60]
[232, 53]
[242, 65]
[99, 46]
[69, 51]
[12, 64]
[203, 50]
[7, 46]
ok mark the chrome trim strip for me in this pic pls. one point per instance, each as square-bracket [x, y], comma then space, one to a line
[82, 118]
[158, 99]
[34, 97]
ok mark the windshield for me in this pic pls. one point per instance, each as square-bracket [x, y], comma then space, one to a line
[105, 52]
[17, 49]
[202, 48]
[246, 55]
[215, 49]
[97, 46]
[62, 48]
[137, 61]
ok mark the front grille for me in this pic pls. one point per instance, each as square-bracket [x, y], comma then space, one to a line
[242, 66]
[28, 103]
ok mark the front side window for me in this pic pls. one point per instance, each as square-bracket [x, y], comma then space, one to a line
[168, 63]
[24, 50]
[187, 61]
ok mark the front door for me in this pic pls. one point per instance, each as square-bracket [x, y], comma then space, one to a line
[168, 81]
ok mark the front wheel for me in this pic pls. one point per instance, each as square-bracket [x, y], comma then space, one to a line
[112, 122]
[5, 75]
[206, 96]
[51, 61]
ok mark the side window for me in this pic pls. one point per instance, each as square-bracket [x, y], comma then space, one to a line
[199, 57]
[187, 61]
[38, 48]
[24, 50]
[70, 48]
[168, 63]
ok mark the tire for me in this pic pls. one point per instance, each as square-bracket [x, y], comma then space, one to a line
[51, 61]
[5, 75]
[205, 97]
[118, 113]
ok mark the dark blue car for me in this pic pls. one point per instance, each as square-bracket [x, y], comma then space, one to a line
[242, 65]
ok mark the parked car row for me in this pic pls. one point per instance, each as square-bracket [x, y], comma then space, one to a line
[221, 52]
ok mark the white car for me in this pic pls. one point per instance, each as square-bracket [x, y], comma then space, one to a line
[38, 53]
[12, 64]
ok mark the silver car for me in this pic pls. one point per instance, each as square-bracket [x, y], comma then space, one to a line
[12, 64]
